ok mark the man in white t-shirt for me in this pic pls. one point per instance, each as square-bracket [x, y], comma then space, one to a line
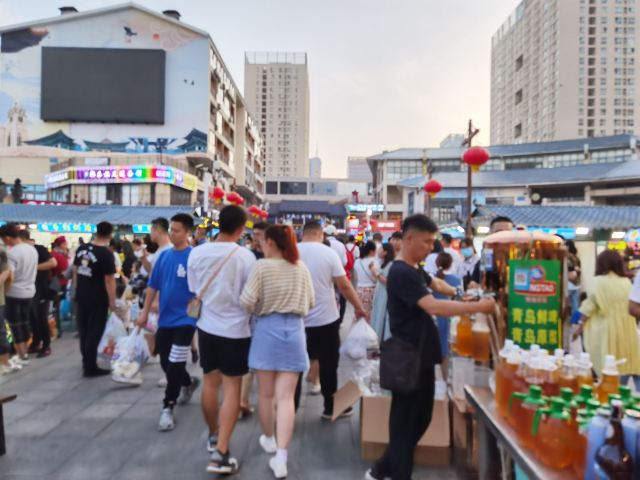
[634, 298]
[341, 250]
[323, 323]
[224, 335]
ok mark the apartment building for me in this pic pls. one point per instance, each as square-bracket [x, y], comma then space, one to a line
[276, 86]
[565, 69]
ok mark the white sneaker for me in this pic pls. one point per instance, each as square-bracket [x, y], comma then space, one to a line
[279, 468]
[22, 362]
[166, 422]
[315, 389]
[10, 368]
[162, 382]
[155, 360]
[269, 445]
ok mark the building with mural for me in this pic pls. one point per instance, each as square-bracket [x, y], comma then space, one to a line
[123, 105]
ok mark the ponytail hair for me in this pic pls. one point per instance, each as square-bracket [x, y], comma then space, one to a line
[443, 261]
[285, 239]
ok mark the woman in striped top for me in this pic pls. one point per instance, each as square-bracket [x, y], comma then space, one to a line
[279, 293]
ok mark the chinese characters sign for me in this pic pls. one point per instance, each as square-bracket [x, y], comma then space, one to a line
[534, 303]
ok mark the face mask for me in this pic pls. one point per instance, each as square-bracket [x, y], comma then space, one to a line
[467, 252]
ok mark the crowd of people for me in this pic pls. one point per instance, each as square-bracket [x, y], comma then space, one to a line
[270, 307]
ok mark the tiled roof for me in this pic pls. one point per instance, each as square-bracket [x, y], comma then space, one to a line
[603, 217]
[116, 214]
[536, 176]
[517, 150]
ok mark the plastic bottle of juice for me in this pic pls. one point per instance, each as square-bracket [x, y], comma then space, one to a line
[610, 379]
[550, 386]
[631, 427]
[480, 342]
[567, 376]
[580, 450]
[584, 395]
[527, 412]
[463, 336]
[612, 459]
[558, 355]
[595, 439]
[505, 381]
[584, 374]
[555, 439]
[569, 401]
[519, 383]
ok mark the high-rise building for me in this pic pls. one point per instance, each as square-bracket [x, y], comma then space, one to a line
[565, 69]
[276, 86]
[315, 167]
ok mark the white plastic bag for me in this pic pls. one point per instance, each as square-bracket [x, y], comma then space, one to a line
[361, 338]
[130, 355]
[113, 330]
[152, 324]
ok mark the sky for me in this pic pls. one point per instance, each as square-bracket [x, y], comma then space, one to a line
[384, 74]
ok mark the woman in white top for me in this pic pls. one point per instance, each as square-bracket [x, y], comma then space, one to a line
[366, 272]
[279, 292]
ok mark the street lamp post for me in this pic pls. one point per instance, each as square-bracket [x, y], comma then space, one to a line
[471, 133]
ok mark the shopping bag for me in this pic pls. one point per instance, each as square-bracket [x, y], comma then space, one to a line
[361, 339]
[131, 353]
[151, 326]
[113, 330]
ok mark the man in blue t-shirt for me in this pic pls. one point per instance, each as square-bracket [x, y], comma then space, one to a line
[175, 327]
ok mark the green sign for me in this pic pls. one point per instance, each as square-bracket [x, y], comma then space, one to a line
[534, 303]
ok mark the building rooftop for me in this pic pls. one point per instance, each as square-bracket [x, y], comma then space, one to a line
[595, 217]
[260, 58]
[598, 172]
[516, 150]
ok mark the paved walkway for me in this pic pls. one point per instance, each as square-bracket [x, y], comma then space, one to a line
[65, 427]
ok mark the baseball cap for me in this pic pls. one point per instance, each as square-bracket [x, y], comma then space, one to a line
[330, 230]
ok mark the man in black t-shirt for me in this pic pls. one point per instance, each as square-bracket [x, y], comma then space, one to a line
[94, 276]
[411, 306]
[39, 308]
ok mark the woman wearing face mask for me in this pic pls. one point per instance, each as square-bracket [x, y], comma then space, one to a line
[470, 268]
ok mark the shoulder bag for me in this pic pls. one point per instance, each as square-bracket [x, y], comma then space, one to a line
[401, 363]
[194, 308]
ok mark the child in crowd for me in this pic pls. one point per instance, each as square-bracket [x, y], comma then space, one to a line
[444, 264]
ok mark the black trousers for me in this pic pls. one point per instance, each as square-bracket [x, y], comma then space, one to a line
[323, 344]
[343, 307]
[91, 319]
[409, 418]
[174, 347]
[39, 319]
[17, 314]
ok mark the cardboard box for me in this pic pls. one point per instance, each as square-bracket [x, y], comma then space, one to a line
[465, 433]
[434, 448]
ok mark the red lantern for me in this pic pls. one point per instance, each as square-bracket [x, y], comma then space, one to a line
[264, 214]
[433, 187]
[235, 199]
[218, 195]
[475, 157]
[255, 211]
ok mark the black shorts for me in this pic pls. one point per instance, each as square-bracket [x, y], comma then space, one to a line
[229, 355]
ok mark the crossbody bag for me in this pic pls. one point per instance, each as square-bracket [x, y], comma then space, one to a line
[194, 308]
[401, 364]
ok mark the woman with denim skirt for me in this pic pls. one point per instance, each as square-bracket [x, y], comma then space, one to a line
[279, 293]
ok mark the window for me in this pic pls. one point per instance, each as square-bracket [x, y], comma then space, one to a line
[517, 130]
[272, 188]
[519, 62]
[519, 97]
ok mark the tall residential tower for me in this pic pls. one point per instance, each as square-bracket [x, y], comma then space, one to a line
[276, 86]
[565, 69]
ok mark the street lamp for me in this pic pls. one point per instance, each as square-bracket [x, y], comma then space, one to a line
[474, 157]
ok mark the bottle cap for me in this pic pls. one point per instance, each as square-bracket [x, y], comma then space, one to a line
[593, 405]
[569, 361]
[585, 357]
[613, 397]
[586, 391]
[610, 366]
[566, 394]
[534, 349]
[634, 414]
[558, 353]
[513, 357]
[508, 344]
[603, 412]
[625, 392]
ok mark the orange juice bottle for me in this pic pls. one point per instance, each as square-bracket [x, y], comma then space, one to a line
[505, 382]
[558, 356]
[554, 438]
[570, 403]
[550, 386]
[567, 376]
[580, 446]
[610, 379]
[584, 374]
[501, 375]
[464, 336]
[535, 372]
[480, 342]
[528, 408]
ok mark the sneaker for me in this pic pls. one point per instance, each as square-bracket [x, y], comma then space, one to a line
[166, 422]
[154, 360]
[99, 372]
[22, 361]
[212, 442]
[10, 368]
[279, 468]
[187, 392]
[162, 382]
[45, 352]
[326, 415]
[315, 389]
[269, 445]
[224, 464]
[371, 475]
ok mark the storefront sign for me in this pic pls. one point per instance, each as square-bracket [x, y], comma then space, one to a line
[67, 227]
[364, 207]
[122, 174]
[534, 303]
[567, 233]
[141, 228]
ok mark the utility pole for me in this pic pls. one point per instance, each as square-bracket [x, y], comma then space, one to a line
[471, 133]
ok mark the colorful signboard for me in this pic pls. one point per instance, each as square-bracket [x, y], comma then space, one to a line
[534, 303]
[67, 227]
[364, 207]
[122, 174]
[141, 228]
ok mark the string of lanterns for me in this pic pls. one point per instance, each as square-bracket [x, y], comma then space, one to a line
[474, 157]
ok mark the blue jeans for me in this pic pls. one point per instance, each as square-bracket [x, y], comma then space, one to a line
[624, 379]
